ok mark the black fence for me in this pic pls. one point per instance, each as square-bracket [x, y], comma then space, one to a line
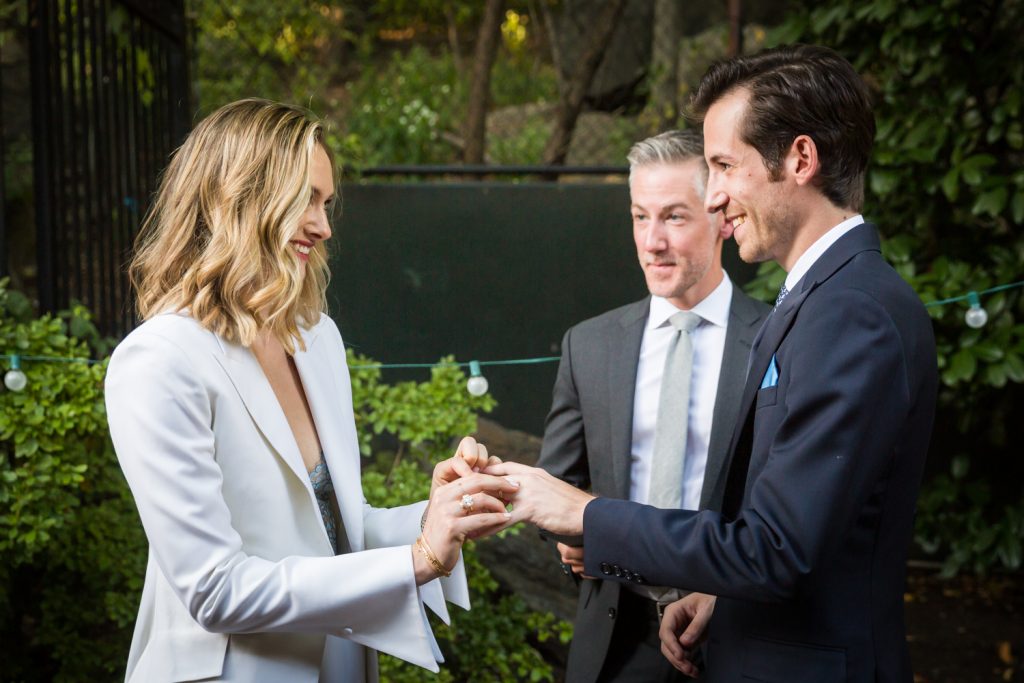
[110, 100]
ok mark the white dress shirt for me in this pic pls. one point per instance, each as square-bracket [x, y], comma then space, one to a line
[814, 252]
[708, 347]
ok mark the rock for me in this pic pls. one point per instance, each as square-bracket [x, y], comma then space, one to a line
[508, 444]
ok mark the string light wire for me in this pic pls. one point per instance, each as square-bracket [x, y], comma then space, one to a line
[976, 317]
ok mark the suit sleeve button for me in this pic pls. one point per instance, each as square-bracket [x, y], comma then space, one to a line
[618, 570]
[611, 613]
[347, 631]
[639, 579]
[605, 569]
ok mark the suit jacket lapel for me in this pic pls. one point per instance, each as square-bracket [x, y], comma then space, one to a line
[744, 323]
[322, 368]
[624, 357]
[862, 238]
[262, 405]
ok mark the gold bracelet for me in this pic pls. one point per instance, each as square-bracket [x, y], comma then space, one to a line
[424, 548]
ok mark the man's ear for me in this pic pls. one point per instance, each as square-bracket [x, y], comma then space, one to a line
[802, 160]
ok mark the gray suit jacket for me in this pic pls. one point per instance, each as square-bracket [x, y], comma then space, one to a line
[587, 438]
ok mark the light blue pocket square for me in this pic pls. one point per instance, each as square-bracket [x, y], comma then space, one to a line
[771, 376]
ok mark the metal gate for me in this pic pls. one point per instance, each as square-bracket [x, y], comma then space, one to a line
[110, 100]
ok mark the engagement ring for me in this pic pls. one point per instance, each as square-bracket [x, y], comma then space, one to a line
[467, 502]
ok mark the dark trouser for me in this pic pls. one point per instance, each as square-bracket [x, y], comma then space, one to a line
[634, 655]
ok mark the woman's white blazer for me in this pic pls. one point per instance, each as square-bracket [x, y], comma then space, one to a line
[241, 582]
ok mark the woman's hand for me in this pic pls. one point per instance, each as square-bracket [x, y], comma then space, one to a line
[468, 507]
[469, 457]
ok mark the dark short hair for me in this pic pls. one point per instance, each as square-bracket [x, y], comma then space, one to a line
[671, 147]
[800, 90]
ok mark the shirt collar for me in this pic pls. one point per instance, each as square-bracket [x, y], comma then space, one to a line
[714, 308]
[820, 246]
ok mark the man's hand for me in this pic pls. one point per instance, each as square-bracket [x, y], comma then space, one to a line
[683, 628]
[572, 557]
[543, 500]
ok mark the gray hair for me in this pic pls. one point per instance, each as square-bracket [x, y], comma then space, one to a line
[670, 147]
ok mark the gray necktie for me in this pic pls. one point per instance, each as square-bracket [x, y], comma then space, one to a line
[666, 489]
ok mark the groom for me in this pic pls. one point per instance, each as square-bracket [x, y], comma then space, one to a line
[807, 558]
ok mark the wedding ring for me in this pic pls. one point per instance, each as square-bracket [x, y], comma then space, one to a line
[466, 503]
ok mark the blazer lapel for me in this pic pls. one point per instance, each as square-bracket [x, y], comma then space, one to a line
[262, 405]
[744, 323]
[322, 368]
[624, 357]
[862, 238]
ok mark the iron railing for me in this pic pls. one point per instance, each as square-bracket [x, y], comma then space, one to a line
[110, 100]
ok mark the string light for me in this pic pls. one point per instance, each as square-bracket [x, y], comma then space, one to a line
[454, 364]
[976, 316]
[477, 383]
[15, 379]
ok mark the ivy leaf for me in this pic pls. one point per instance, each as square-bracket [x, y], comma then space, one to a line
[951, 184]
[973, 168]
[1014, 368]
[991, 202]
[989, 352]
[1017, 207]
[883, 181]
[961, 367]
[996, 375]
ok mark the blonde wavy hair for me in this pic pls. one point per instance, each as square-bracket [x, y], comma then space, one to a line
[216, 240]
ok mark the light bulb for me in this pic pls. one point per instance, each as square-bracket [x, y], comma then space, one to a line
[15, 380]
[976, 316]
[476, 385]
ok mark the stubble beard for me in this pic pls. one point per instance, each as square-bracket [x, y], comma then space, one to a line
[768, 234]
[692, 274]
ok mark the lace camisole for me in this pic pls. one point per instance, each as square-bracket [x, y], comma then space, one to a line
[323, 489]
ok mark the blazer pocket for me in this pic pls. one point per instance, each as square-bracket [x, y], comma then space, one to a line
[181, 656]
[766, 396]
[776, 661]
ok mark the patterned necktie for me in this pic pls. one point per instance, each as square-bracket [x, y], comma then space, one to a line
[782, 295]
[666, 489]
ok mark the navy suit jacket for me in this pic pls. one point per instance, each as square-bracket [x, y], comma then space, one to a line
[808, 556]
